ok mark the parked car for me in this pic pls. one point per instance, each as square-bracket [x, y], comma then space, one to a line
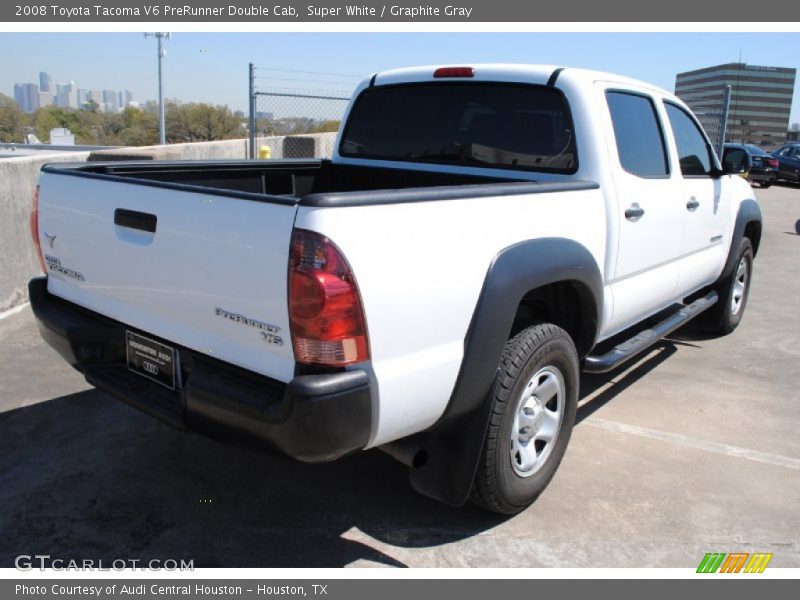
[763, 167]
[788, 157]
[478, 238]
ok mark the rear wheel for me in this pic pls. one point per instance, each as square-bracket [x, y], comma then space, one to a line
[533, 411]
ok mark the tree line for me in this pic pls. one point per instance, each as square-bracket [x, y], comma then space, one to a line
[185, 122]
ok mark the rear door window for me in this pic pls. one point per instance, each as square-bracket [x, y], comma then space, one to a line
[526, 127]
[640, 141]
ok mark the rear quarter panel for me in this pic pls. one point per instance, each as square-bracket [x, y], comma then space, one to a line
[420, 268]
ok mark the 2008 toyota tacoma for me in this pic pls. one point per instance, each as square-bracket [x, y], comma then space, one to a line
[481, 235]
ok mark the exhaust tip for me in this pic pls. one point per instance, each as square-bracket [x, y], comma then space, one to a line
[420, 459]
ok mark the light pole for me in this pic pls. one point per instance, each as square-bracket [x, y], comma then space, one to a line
[160, 36]
[251, 122]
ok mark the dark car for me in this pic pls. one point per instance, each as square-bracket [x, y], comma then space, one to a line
[788, 157]
[763, 166]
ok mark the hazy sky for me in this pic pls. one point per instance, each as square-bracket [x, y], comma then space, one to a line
[212, 67]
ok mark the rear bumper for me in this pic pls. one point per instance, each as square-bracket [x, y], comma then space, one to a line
[313, 418]
[761, 174]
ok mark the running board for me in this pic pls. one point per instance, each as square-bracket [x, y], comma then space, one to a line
[644, 339]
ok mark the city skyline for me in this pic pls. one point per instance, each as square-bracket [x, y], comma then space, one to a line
[31, 96]
[212, 67]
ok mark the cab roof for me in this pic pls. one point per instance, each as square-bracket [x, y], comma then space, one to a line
[517, 73]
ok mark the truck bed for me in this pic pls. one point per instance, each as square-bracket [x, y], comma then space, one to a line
[306, 182]
[170, 248]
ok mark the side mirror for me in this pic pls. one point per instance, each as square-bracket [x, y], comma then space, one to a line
[736, 161]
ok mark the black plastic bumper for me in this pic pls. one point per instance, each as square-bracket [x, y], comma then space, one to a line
[766, 175]
[313, 418]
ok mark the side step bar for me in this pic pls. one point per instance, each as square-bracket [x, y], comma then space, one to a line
[641, 341]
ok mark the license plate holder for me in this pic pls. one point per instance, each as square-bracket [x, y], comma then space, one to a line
[150, 359]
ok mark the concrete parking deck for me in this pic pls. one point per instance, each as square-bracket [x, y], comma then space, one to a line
[692, 449]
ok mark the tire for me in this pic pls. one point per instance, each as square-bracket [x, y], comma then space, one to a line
[542, 357]
[734, 290]
[765, 184]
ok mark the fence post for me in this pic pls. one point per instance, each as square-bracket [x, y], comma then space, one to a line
[252, 120]
[726, 101]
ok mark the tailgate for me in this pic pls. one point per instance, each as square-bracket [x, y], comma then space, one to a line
[211, 277]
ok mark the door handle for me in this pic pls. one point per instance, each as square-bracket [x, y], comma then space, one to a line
[135, 220]
[692, 204]
[634, 212]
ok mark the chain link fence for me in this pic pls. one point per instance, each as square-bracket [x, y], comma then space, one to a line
[300, 119]
[297, 120]
[712, 110]
[710, 118]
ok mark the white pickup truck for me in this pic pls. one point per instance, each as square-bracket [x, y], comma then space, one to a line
[480, 236]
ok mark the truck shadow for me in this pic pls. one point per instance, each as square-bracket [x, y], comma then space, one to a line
[84, 476]
[597, 390]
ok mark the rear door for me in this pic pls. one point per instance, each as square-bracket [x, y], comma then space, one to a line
[203, 270]
[705, 203]
[649, 213]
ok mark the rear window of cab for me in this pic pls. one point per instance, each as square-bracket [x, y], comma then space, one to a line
[478, 124]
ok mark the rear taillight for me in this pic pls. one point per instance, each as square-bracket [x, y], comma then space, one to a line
[773, 162]
[325, 311]
[35, 228]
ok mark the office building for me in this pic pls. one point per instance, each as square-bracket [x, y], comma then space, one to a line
[111, 100]
[45, 82]
[761, 101]
[27, 96]
[67, 95]
[45, 99]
